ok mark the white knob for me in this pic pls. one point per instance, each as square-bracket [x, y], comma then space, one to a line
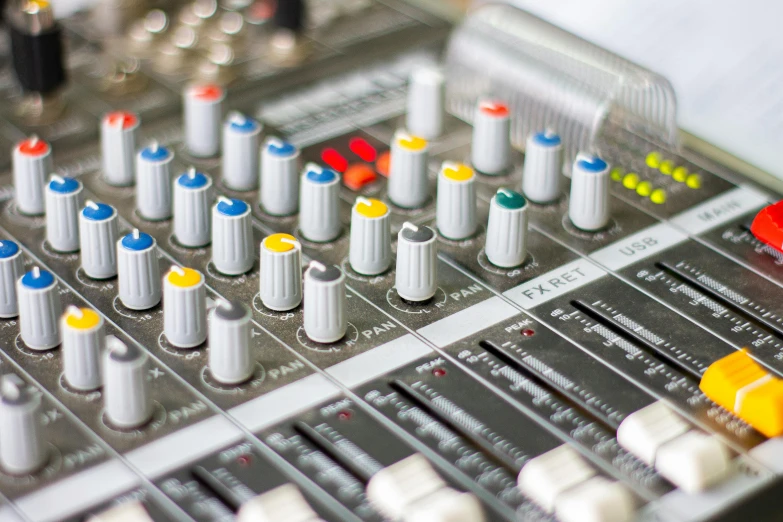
[39, 309]
[11, 267]
[98, 232]
[324, 303]
[491, 147]
[192, 197]
[589, 203]
[22, 450]
[417, 263]
[456, 203]
[32, 162]
[232, 236]
[202, 119]
[63, 201]
[506, 244]
[281, 272]
[279, 193]
[425, 102]
[229, 351]
[153, 182]
[83, 343]
[408, 185]
[319, 204]
[184, 307]
[541, 174]
[138, 272]
[370, 252]
[241, 136]
[283, 503]
[126, 397]
[118, 147]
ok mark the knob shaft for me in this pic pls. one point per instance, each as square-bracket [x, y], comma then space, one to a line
[126, 397]
[541, 177]
[192, 197]
[83, 344]
[32, 162]
[22, 450]
[39, 309]
[241, 137]
[425, 102]
[153, 182]
[319, 203]
[281, 272]
[408, 183]
[491, 147]
[279, 193]
[324, 303]
[506, 244]
[138, 271]
[98, 232]
[232, 237]
[203, 117]
[184, 307]
[589, 204]
[63, 201]
[370, 252]
[118, 147]
[11, 267]
[456, 205]
[229, 351]
[417, 263]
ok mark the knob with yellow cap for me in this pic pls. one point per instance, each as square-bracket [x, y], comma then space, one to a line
[370, 252]
[456, 206]
[184, 307]
[281, 272]
[83, 343]
[408, 187]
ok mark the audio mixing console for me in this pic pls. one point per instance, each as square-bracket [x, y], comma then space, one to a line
[351, 260]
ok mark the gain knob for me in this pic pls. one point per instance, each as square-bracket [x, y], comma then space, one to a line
[138, 272]
[184, 307]
[22, 450]
[63, 201]
[417, 263]
[192, 196]
[118, 147]
[491, 146]
[425, 102]
[408, 184]
[279, 194]
[39, 309]
[83, 343]
[229, 351]
[324, 303]
[11, 266]
[543, 166]
[240, 152]
[232, 237]
[153, 182]
[319, 204]
[506, 244]
[588, 208]
[126, 398]
[98, 231]
[32, 162]
[202, 119]
[370, 251]
[281, 272]
[456, 203]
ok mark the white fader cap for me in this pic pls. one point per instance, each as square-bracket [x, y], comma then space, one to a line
[203, 118]
[192, 198]
[83, 343]
[232, 237]
[417, 263]
[589, 203]
[279, 194]
[541, 175]
[138, 272]
[426, 92]
[39, 309]
[456, 205]
[118, 147]
[408, 185]
[11, 267]
[324, 303]
[126, 397]
[22, 448]
[98, 231]
[63, 202]
[283, 503]
[153, 182]
[370, 250]
[229, 351]
[32, 162]
[241, 137]
[281, 272]
[506, 243]
[184, 307]
[490, 151]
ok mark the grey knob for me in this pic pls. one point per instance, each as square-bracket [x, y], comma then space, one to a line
[456, 205]
[370, 252]
[506, 244]
[184, 307]
[11, 267]
[202, 119]
[241, 137]
[126, 397]
[408, 185]
[319, 204]
[32, 162]
[22, 450]
[324, 303]
[118, 147]
[229, 349]
[39, 309]
[416, 278]
[281, 272]
[98, 233]
[83, 344]
[232, 237]
[138, 272]
[425, 102]
[541, 175]
[491, 146]
[279, 194]
[192, 198]
[153, 182]
[63, 202]
[589, 202]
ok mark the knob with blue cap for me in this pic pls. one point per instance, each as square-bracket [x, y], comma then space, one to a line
[39, 309]
[11, 266]
[279, 194]
[63, 201]
[541, 175]
[192, 199]
[319, 201]
[240, 152]
[138, 272]
[589, 203]
[153, 182]
[98, 232]
[232, 236]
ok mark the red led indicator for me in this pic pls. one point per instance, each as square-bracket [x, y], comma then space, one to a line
[382, 165]
[124, 120]
[33, 147]
[344, 415]
[358, 175]
[493, 108]
[364, 150]
[244, 460]
[438, 372]
[334, 159]
[207, 92]
[527, 332]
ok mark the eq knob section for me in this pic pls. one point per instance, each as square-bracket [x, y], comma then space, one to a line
[192, 196]
[241, 136]
[184, 307]
[22, 449]
[39, 309]
[370, 251]
[281, 272]
[417, 263]
[324, 303]
[232, 237]
[229, 351]
[202, 119]
[82, 346]
[138, 272]
[506, 244]
[319, 218]
[279, 194]
[408, 184]
[426, 92]
[491, 147]
[32, 163]
[63, 201]
[126, 397]
[118, 147]
[11, 266]
[589, 202]
[456, 205]
[543, 166]
[153, 182]
[98, 232]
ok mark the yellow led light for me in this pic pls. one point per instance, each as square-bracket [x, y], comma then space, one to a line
[680, 174]
[457, 171]
[371, 208]
[279, 242]
[693, 181]
[410, 142]
[658, 196]
[666, 167]
[617, 174]
[82, 319]
[631, 180]
[644, 188]
[184, 277]
[653, 160]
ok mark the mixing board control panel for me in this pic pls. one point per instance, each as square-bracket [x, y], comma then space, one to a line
[272, 263]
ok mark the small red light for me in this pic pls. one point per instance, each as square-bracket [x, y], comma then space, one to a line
[344, 415]
[382, 165]
[438, 372]
[358, 175]
[243, 460]
[334, 159]
[528, 332]
[364, 150]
